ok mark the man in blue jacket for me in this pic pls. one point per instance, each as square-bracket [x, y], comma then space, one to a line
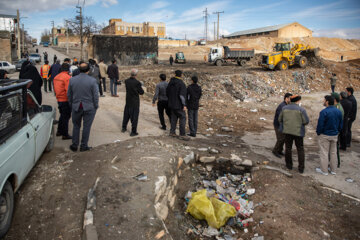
[328, 127]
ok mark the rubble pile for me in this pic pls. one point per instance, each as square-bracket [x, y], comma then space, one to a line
[222, 199]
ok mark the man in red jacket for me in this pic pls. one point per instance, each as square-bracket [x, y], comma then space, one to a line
[61, 85]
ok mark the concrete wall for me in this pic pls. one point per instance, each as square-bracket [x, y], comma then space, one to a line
[5, 46]
[74, 41]
[126, 50]
[294, 30]
[173, 43]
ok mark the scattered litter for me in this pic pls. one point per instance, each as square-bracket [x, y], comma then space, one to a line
[141, 177]
[253, 110]
[114, 159]
[160, 234]
[250, 191]
[115, 168]
[116, 141]
[189, 157]
[226, 129]
[210, 232]
[258, 238]
[262, 118]
[349, 180]
[203, 149]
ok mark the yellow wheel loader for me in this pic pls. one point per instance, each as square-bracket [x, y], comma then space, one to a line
[284, 56]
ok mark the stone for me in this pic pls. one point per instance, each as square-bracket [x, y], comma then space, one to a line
[160, 234]
[190, 157]
[203, 149]
[226, 129]
[247, 163]
[235, 157]
[180, 162]
[172, 202]
[209, 168]
[160, 187]
[222, 160]
[204, 159]
[162, 210]
[214, 151]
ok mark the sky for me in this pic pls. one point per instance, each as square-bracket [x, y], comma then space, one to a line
[326, 18]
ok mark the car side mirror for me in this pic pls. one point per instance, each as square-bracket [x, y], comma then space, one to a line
[46, 108]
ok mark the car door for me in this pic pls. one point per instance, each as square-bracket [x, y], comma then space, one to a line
[17, 153]
[42, 126]
[6, 66]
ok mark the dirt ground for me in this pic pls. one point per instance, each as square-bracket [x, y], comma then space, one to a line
[51, 202]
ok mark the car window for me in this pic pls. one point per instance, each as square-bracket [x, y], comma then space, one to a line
[0, 64]
[32, 107]
[6, 64]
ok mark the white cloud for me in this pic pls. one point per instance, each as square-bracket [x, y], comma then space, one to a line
[10, 6]
[159, 5]
[347, 33]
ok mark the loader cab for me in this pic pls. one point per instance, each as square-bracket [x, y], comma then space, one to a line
[280, 47]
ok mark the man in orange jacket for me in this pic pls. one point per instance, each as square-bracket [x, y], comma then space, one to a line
[44, 73]
[61, 85]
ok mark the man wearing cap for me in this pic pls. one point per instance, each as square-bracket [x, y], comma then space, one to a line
[352, 117]
[176, 93]
[293, 119]
[328, 127]
[346, 104]
[132, 105]
[280, 137]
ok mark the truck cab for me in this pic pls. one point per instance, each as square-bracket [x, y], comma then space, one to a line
[215, 54]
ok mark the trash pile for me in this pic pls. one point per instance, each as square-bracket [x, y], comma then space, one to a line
[224, 204]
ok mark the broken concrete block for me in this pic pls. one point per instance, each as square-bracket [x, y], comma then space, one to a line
[203, 149]
[214, 151]
[160, 187]
[88, 218]
[207, 159]
[172, 201]
[222, 160]
[247, 163]
[235, 157]
[226, 129]
[90, 233]
[162, 210]
[189, 157]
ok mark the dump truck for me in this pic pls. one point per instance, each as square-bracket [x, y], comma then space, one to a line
[180, 57]
[220, 55]
[285, 56]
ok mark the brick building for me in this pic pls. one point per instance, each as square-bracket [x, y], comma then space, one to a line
[148, 29]
[8, 44]
[288, 30]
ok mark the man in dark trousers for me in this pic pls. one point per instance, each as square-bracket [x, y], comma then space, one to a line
[280, 137]
[83, 96]
[162, 100]
[176, 93]
[113, 73]
[333, 80]
[293, 119]
[193, 95]
[54, 70]
[352, 117]
[347, 105]
[171, 60]
[132, 105]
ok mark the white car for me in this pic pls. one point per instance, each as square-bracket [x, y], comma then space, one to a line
[26, 131]
[4, 65]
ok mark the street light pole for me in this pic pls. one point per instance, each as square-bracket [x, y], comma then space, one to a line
[18, 33]
[23, 38]
[67, 38]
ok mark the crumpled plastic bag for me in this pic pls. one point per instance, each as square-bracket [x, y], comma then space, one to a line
[214, 211]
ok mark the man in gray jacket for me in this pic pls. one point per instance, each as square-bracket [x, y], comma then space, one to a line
[83, 95]
[162, 100]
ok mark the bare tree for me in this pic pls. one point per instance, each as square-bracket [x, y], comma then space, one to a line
[89, 26]
[45, 36]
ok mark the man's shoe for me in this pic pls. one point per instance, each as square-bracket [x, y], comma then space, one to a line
[73, 148]
[318, 170]
[84, 149]
[133, 134]
[331, 172]
[123, 130]
[185, 138]
[191, 135]
[58, 134]
[281, 153]
[102, 95]
[172, 135]
[116, 95]
[66, 137]
[288, 167]
[162, 128]
[301, 171]
[276, 154]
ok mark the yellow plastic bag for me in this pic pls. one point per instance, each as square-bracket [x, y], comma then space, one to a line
[214, 211]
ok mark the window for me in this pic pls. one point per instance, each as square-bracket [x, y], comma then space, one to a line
[137, 29]
[254, 34]
[133, 29]
[214, 51]
[5, 64]
[0, 64]
[248, 35]
[259, 34]
[118, 28]
[267, 33]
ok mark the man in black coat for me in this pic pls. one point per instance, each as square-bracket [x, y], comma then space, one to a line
[280, 137]
[132, 105]
[352, 116]
[176, 93]
[193, 96]
[113, 73]
[347, 105]
[171, 60]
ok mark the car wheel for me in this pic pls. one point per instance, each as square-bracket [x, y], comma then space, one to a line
[6, 208]
[51, 142]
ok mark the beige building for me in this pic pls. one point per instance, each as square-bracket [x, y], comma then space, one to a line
[121, 28]
[289, 30]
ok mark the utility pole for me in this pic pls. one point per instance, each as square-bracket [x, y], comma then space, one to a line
[81, 31]
[18, 33]
[52, 31]
[206, 23]
[214, 31]
[218, 15]
[23, 38]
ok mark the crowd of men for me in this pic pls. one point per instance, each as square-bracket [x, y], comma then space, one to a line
[333, 128]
